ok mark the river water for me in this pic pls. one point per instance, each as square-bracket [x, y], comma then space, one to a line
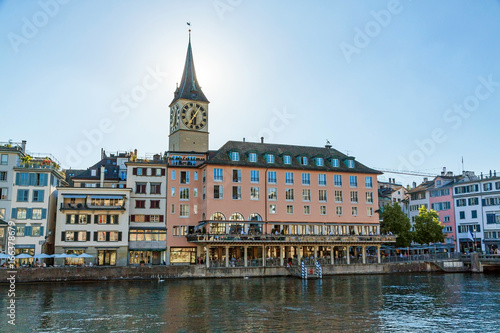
[362, 303]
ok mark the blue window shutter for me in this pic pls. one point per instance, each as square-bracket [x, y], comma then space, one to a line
[32, 180]
[29, 213]
[41, 231]
[44, 213]
[19, 195]
[14, 213]
[27, 231]
[484, 202]
[44, 180]
[18, 178]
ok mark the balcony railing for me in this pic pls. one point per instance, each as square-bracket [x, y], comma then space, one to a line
[234, 238]
[83, 206]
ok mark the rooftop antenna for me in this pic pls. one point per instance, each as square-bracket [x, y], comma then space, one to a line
[463, 165]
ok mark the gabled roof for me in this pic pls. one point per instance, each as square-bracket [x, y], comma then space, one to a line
[189, 87]
[422, 187]
[112, 171]
[222, 157]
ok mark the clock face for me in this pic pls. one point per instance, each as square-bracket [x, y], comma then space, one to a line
[194, 116]
[174, 118]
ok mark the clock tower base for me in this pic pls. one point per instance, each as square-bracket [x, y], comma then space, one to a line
[188, 141]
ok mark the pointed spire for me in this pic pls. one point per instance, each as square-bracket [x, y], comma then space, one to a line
[189, 87]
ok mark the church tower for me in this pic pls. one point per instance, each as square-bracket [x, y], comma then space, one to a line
[189, 112]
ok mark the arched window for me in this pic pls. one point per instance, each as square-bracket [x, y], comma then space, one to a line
[236, 217]
[218, 216]
[254, 217]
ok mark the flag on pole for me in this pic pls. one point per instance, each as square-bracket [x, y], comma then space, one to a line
[471, 236]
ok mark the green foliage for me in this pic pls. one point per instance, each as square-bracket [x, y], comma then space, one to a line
[395, 221]
[428, 229]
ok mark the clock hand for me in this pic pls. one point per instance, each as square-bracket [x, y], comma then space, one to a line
[194, 116]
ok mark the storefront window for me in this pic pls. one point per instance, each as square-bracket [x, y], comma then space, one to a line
[182, 255]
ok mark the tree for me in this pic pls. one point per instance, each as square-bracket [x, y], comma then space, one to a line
[428, 229]
[395, 221]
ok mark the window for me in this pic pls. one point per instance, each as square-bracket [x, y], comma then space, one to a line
[354, 211]
[22, 195]
[2, 213]
[140, 188]
[217, 191]
[236, 176]
[154, 204]
[369, 211]
[272, 193]
[350, 164]
[183, 210]
[303, 160]
[38, 195]
[5, 159]
[35, 231]
[235, 156]
[473, 201]
[272, 209]
[254, 176]
[322, 179]
[204, 192]
[338, 210]
[289, 178]
[353, 181]
[462, 215]
[474, 214]
[21, 213]
[306, 194]
[337, 180]
[184, 177]
[368, 182]
[237, 192]
[287, 159]
[289, 195]
[271, 177]
[172, 209]
[354, 196]
[338, 196]
[179, 230]
[306, 179]
[155, 188]
[36, 214]
[195, 192]
[218, 175]
[254, 193]
[173, 174]
[307, 210]
[269, 158]
[4, 193]
[467, 189]
[319, 161]
[369, 197]
[172, 192]
[446, 218]
[461, 202]
[335, 163]
[322, 210]
[322, 195]
[289, 209]
[3, 176]
[488, 186]
[140, 204]
[184, 193]
[154, 218]
[252, 157]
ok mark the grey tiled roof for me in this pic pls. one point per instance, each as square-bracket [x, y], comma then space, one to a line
[112, 171]
[222, 157]
[189, 87]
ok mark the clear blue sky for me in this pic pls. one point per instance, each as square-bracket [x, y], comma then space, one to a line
[65, 68]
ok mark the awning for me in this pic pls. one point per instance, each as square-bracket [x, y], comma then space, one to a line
[147, 228]
[102, 196]
[74, 196]
[24, 246]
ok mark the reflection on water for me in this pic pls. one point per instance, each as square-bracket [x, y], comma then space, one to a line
[404, 303]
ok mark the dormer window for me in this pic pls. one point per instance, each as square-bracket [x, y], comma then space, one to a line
[252, 157]
[303, 160]
[349, 163]
[93, 172]
[235, 156]
[287, 159]
[269, 158]
[335, 162]
[319, 161]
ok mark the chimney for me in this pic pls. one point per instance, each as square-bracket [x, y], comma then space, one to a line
[156, 157]
[414, 184]
[449, 173]
[426, 179]
[243, 139]
[481, 175]
[490, 174]
[261, 139]
[23, 146]
[494, 173]
[103, 154]
[102, 175]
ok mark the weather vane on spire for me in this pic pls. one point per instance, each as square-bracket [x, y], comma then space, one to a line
[189, 24]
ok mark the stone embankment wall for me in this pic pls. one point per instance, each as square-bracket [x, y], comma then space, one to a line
[56, 274]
